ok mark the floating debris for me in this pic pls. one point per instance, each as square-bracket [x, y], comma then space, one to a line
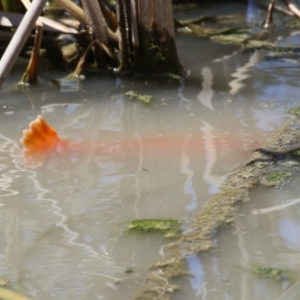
[128, 270]
[143, 98]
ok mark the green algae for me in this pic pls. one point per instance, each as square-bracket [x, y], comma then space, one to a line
[143, 98]
[276, 178]
[128, 270]
[168, 227]
[292, 23]
[242, 39]
[277, 274]
[239, 36]
[236, 39]
[282, 52]
[295, 111]
[295, 152]
[204, 31]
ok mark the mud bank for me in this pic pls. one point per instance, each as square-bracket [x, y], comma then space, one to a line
[280, 152]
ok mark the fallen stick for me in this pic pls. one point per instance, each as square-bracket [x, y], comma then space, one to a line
[9, 19]
[269, 18]
[19, 39]
[293, 8]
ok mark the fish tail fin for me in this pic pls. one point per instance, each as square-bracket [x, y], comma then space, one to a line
[39, 136]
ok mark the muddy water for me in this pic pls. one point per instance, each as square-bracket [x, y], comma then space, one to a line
[62, 228]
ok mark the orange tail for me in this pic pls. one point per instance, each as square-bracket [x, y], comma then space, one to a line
[37, 141]
[39, 136]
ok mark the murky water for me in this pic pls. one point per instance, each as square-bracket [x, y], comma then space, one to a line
[62, 228]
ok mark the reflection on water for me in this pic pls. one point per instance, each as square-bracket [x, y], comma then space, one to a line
[243, 73]
[62, 224]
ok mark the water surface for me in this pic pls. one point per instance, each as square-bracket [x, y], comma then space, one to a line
[62, 229]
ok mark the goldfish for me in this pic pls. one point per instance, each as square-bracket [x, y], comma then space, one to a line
[40, 140]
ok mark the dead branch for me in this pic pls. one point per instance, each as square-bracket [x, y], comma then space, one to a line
[73, 9]
[293, 8]
[269, 18]
[8, 19]
[31, 74]
[19, 39]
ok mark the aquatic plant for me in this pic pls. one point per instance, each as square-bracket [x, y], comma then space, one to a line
[168, 227]
[295, 111]
[128, 270]
[277, 274]
[143, 98]
[276, 178]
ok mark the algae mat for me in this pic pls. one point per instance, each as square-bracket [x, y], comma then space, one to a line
[277, 152]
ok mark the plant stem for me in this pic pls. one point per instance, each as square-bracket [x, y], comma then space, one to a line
[19, 39]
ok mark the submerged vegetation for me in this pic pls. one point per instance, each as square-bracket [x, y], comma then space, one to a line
[270, 273]
[295, 111]
[232, 30]
[143, 98]
[168, 228]
[240, 36]
[276, 178]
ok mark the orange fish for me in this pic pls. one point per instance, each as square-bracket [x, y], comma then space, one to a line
[41, 139]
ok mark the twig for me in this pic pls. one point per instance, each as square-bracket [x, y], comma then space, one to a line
[110, 15]
[72, 9]
[9, 19]
[277, 9]
[283, 10]
[81, 62]
[31, 73]
[19, 39]
[293, 8]
[269, 18]
[78, 13]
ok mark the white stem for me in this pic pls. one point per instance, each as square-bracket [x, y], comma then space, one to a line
[17, 42]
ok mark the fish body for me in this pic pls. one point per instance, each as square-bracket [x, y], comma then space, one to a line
[40, 140]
